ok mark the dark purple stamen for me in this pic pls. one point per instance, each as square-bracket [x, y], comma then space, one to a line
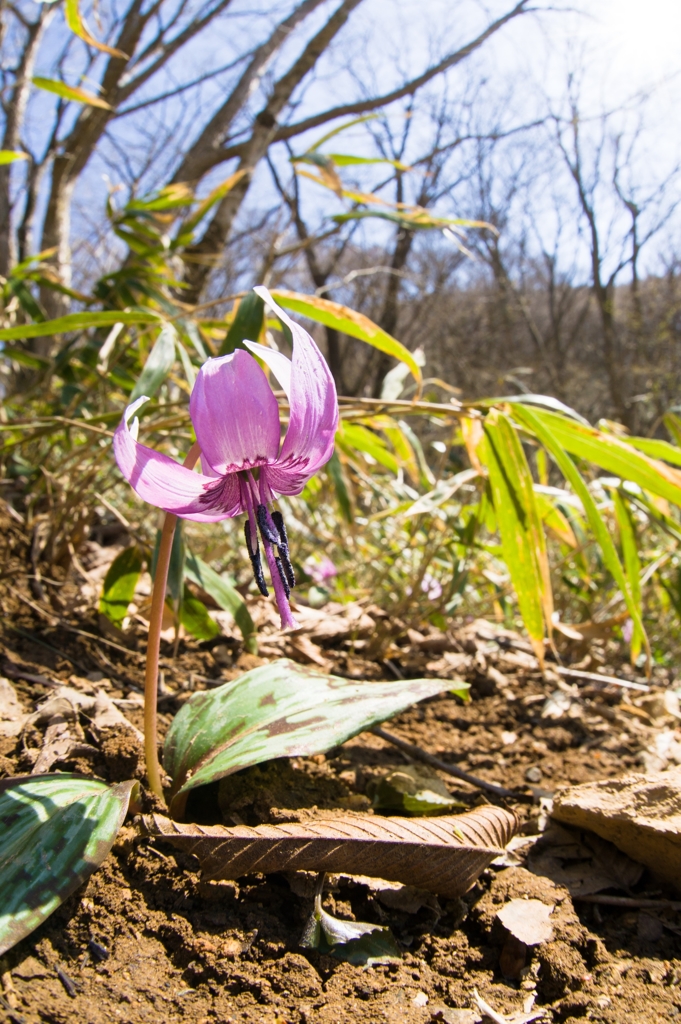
[265, 529]
[278, 521]
[282, 576]
[254, 555]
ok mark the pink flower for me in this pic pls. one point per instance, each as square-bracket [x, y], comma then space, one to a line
[245, 465]
[321, 572]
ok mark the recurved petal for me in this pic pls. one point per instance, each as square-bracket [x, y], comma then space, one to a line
[162, 482]
[235, 413]
[313, 402]
[279, 364]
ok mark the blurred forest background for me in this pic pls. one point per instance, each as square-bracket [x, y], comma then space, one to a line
[501, 113]
[495, 185]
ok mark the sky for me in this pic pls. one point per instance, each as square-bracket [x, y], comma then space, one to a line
[625, 46]
[642, 37]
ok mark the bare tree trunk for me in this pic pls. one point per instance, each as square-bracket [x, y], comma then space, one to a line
[16, 108]
[203, 256]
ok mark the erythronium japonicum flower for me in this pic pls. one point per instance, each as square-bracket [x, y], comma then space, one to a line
[244, 461]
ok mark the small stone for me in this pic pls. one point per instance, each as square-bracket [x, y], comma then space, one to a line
[640, 814]
[31, 968]
[534, 774]
[420, 999]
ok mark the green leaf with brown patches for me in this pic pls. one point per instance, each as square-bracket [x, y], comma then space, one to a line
[278, 710]
[55, 830]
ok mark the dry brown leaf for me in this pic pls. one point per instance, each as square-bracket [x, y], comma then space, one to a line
[444, 855]
[12, 715]
[528, 921]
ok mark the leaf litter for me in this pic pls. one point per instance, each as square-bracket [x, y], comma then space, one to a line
[185, 948]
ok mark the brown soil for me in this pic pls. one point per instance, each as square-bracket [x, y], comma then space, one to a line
[146, 941]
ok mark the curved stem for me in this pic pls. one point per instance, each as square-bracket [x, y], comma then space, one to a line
[154, 641]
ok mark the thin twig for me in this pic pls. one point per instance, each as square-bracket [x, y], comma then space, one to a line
[596, 677]
[629, 902]
[56, 623]
[458, 773]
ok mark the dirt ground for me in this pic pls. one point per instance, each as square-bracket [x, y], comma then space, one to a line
[146, 941]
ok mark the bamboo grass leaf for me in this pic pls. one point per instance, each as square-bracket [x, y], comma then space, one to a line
[537, 424]
[522, 535]
[333, 314]
[69, 92]
[611, 454]
[632, 563]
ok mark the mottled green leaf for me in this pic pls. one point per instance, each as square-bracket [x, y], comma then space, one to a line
[55, 831]
[278, 710]
[158, 365]
[119, 584]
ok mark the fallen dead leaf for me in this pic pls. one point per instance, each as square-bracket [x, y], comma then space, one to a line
[12, 715]
[528, 921]
[443, 855]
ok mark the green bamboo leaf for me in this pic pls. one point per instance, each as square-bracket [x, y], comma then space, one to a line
[75, 322]
[555, 520]
[77, 26]
[536, 423]
[522, 535]
[348, 160]
[335, 471]
[247, 324]
[8, 156]
[158, 365]
[278, 710]
[195, 618]
[222, 591]
[68, 92]
[56, 830]
[425, 472]
[119, 584]
[632, 562]
[333, 314]
[341, 128]
[218, 193]
[355, 436]
[611, 454]
[662, 450]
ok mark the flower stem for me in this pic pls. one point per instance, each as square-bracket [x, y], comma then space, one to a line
[154, 641]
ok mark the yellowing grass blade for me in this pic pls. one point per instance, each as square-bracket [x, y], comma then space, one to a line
[536, 423]
[522, 535]
[632, 563]
[79, 28]
[68, 92]
[333, 314]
